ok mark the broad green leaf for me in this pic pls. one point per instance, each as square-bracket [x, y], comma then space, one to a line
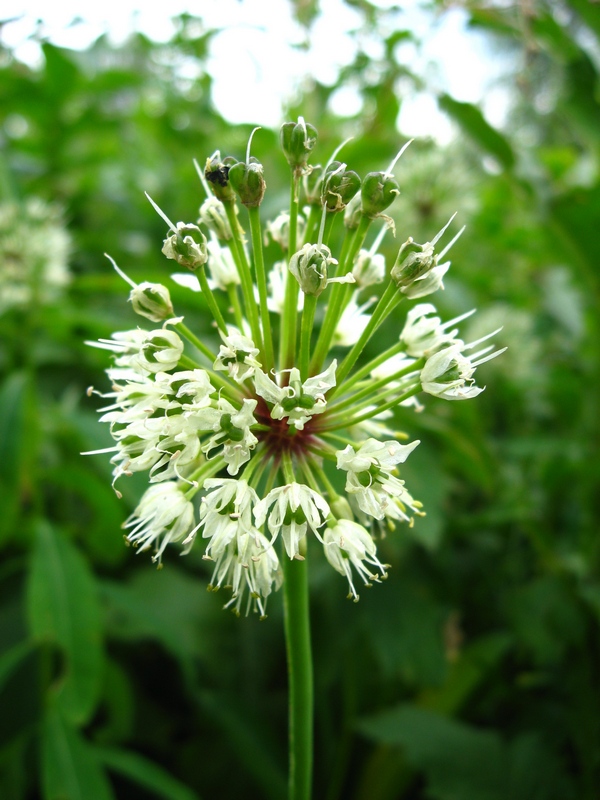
[474, 124]
[70, 769]
[147, 606]
[139, 770]
[63, 609]
[460, 761]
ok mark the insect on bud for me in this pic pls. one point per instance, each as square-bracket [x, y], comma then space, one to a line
[216, 173]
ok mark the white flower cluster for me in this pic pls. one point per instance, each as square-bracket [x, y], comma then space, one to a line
[289, 406]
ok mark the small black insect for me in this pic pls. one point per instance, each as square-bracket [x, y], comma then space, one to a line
[219, 176]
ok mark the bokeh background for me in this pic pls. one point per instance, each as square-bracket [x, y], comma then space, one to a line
[472, 673]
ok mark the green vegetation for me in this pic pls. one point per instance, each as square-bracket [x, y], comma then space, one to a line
[471, 673]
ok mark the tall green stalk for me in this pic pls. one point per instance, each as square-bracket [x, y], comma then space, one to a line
[300, 671]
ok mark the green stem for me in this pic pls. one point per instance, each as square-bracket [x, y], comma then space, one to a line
[368, 368]
[287, 342]
[308, 317]
[300, 670]
[374, 411]
[210, 300]
[297, 634]
[382, 309]
[235, 305]
[261, 279]
[241, 262]
[338, 298]
[373, 387]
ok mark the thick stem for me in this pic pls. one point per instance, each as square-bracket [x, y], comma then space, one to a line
[300, 669]
[299, 657]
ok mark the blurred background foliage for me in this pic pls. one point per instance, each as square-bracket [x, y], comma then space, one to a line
[471, 674]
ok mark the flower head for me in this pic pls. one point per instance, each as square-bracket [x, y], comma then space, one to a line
[286, 426]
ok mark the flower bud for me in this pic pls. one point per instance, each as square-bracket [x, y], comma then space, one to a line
[216, 173]
[297, 141]
[309, 267]
[152, 300]
[248, 182]
[379, 190]
[413, 262]
[339, 186]
[187, 247]
[212, 214]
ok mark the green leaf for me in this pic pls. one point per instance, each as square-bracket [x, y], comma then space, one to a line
[63, 609]
[460, 761]
[474, 124]
[143, 772]
[13, 407]
[10, 660]
[70, 770]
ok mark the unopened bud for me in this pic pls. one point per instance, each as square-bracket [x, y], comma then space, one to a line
[187, 247]
[152, 300]
[297, 141]
[248, 182]
[339, 186]
[309, 267]
[413, 262]
[379, 190]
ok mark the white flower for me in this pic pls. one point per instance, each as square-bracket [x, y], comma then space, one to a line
[297, 401]
[352, 322]
[160, 351]
[296, 507]
[163, 515]
[237, 355]
[348, 545]
[369, 473]
[213, 215]
[448, 373]
[423, 335]
[428, 283]
[369, 268]
[248, 564]
[278, 277]
[279, 230]
[152, 300]
[231, 429]
[187, 246]
[222, 266]
[226, 512]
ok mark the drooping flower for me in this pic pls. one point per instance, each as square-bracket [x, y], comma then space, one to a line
[295, 509]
